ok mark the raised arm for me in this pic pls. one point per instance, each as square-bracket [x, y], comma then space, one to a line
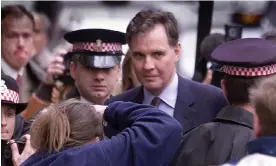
[149, 136]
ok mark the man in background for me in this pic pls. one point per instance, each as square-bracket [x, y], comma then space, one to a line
[17, 37]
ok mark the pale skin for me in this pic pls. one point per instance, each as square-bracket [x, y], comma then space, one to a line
[17, 158]
[154, 59]
[17, 41]
[7, 121]
[95, 84]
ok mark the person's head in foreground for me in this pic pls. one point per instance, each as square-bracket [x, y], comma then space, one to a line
[66, 124]
[263, 97]
[66, 133]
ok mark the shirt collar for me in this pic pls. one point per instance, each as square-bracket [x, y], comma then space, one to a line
[168, 95]
[237, 115]
[8, 70]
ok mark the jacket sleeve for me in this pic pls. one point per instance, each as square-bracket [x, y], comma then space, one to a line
[149, 136]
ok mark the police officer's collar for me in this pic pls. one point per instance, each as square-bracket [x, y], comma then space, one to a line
[236, 115]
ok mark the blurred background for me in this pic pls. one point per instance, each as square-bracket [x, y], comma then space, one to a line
[196, 19]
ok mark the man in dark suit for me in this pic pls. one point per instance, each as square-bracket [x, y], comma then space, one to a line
[153, 39]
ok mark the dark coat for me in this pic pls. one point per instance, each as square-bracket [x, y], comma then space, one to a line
[196, 103]
[146, 131]
[22, 126]
[217, 142]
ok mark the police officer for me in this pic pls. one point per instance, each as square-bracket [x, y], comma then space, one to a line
[12, 125]
[94, 63]
[244, 62]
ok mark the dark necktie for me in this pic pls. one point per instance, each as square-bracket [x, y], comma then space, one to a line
[155, 101]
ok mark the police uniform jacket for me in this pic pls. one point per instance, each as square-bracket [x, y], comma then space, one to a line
[217, 142]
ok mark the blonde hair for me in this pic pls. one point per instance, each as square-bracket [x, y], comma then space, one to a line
[66, 124]
[263, 99]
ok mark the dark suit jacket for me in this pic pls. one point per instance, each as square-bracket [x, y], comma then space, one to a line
[196, 103]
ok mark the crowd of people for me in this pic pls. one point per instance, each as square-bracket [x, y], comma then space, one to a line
[70, 109]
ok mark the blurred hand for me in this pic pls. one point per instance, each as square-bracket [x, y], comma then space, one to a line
[208, 77]
[56, 67]
[17, 158]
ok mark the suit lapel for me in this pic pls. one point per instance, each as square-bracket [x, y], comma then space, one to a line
[184, 113]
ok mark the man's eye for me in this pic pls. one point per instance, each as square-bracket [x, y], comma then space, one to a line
[157, 54]
[138, 56]
[27, 35]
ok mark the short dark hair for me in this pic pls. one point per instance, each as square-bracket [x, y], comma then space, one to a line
[146, 20]
[16, 11]
[238, 88]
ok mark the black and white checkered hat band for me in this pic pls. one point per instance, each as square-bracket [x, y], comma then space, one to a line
[10, 95]
[250, 72]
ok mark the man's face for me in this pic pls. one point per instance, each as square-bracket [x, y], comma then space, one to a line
[95, 84]
[154, 59]
[7, 121]
[17, 41]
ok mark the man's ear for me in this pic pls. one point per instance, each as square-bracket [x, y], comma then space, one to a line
[177, 51]
[73, 68]
[222, 84]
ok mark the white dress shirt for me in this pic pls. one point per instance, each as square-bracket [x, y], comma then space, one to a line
[168, 96]
[8, 70]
